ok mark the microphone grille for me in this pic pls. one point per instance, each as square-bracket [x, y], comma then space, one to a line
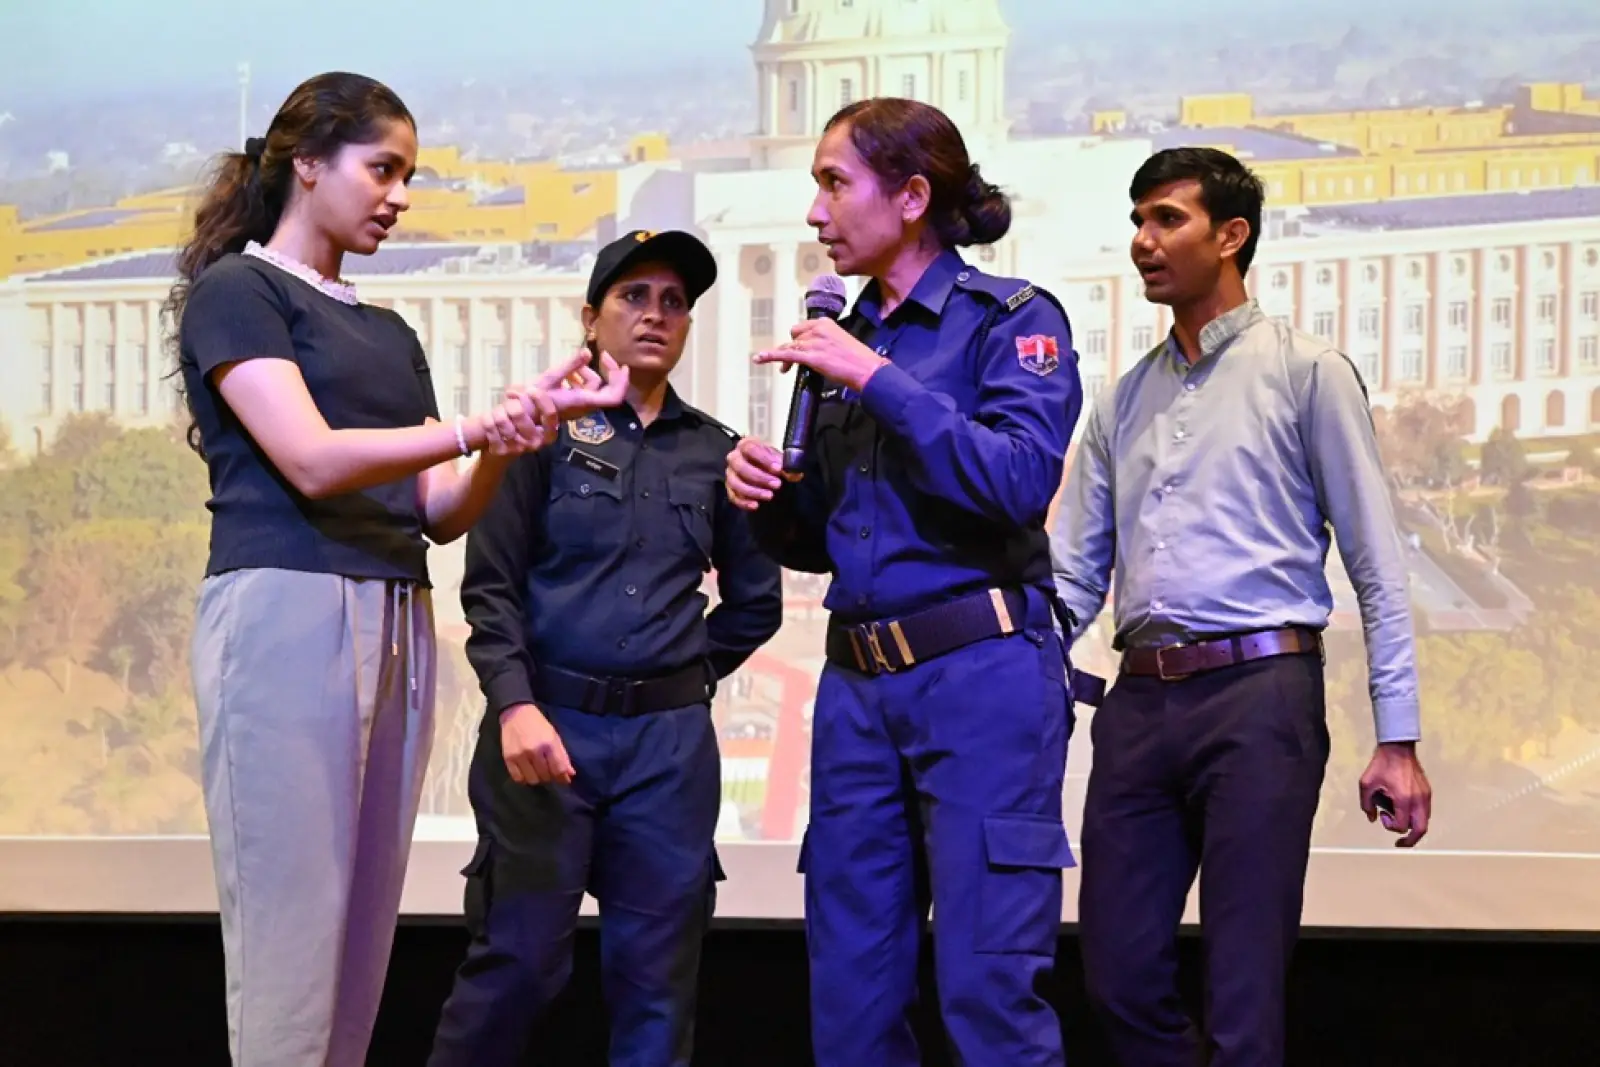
[827, 293]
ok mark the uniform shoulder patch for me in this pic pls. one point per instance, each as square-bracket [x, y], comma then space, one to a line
[1038, 353]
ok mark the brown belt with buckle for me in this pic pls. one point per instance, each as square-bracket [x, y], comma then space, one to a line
[1172, 662]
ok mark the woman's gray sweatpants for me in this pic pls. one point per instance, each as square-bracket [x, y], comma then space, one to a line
[315, 696]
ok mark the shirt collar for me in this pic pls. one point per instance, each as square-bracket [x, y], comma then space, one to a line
[1215, 335]
[931, 292]
[672, 407]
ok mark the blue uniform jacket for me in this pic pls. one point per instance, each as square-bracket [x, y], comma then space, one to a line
[936, 481]
[592, 556]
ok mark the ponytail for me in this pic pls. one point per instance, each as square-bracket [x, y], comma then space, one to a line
[249, 190]
[242, 203]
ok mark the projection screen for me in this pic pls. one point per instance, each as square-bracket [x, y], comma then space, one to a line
[1433, 212]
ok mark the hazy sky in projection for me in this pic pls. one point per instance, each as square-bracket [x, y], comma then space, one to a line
[99, 45]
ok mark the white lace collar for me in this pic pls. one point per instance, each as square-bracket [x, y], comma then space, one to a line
[339, 289]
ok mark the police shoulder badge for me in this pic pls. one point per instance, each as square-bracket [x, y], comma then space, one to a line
[1038, 354]
[591, 429]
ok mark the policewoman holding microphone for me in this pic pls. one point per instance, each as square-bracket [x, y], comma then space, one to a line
[942, 716]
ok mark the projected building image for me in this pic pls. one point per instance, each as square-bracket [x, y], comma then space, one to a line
[1450, 248]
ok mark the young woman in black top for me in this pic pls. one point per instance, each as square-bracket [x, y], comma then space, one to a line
[313, 652]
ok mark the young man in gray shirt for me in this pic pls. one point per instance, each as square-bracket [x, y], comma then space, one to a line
[1207, 481]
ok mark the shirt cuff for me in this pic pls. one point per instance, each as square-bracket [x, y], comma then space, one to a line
[889, 391]
[1397, 719]
[508, 688]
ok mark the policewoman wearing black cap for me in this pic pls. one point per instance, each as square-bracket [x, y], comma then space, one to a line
[597, 768]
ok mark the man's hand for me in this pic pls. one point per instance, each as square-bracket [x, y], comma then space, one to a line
[1396, 772]
[531, 747]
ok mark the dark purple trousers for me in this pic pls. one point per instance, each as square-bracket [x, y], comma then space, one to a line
[1217, 774]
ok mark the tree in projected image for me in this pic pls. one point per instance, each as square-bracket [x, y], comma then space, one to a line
[1511, 693]
[102, 540]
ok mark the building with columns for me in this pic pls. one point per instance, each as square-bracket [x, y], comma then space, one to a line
[813, 58]
[1488, 292]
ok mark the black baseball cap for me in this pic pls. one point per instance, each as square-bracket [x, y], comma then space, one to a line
[681, 251]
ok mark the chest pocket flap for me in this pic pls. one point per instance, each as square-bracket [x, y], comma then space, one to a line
[692, 499]
[585, 509]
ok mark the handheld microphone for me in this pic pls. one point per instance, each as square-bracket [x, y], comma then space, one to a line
[824, 300]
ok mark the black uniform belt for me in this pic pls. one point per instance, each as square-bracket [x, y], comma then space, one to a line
[1172, 663]
[623, 696]
[889, 645]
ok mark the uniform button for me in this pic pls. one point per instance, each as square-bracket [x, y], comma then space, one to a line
[866, 531]
[963, 276]
[1178, 436]
[631, 590]
[882, 350]
[623, 643]
[1167, 488]
[1158, 605]
[584, 490]
[645, 494]
[1190, 387]
[863, 468]
[1161, 544]
[633, 426]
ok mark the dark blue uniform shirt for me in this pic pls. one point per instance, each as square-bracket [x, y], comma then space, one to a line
[936, 481]
[592, 556]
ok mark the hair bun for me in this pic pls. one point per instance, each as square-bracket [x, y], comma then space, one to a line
[987, 211]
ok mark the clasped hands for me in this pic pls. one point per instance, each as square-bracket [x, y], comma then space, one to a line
[531, 415]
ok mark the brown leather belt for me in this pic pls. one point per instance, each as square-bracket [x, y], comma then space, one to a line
[1173, 662]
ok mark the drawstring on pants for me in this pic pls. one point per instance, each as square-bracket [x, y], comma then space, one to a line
[400, 593]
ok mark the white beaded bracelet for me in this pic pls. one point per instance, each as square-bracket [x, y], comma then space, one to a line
[461, 438]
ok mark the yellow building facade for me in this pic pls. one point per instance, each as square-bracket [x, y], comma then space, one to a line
[452, 198]
[1549, 137]
[1398, 152]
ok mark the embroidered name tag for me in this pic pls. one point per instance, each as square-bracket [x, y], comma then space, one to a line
[593, 464]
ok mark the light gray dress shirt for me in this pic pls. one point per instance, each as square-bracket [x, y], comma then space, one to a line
[1208, 491]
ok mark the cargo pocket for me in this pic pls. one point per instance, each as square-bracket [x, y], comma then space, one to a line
[1019, 899]
[717, 875]
[475, 898]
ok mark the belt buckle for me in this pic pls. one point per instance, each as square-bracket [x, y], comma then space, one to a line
[879, 660]
[1161, 664]
[620, 696]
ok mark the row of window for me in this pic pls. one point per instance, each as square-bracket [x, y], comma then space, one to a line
[1423, 183]
[1371, 272]
[1456, 366]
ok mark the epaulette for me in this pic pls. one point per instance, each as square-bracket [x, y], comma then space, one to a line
[1008, 293]
[733, 434]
